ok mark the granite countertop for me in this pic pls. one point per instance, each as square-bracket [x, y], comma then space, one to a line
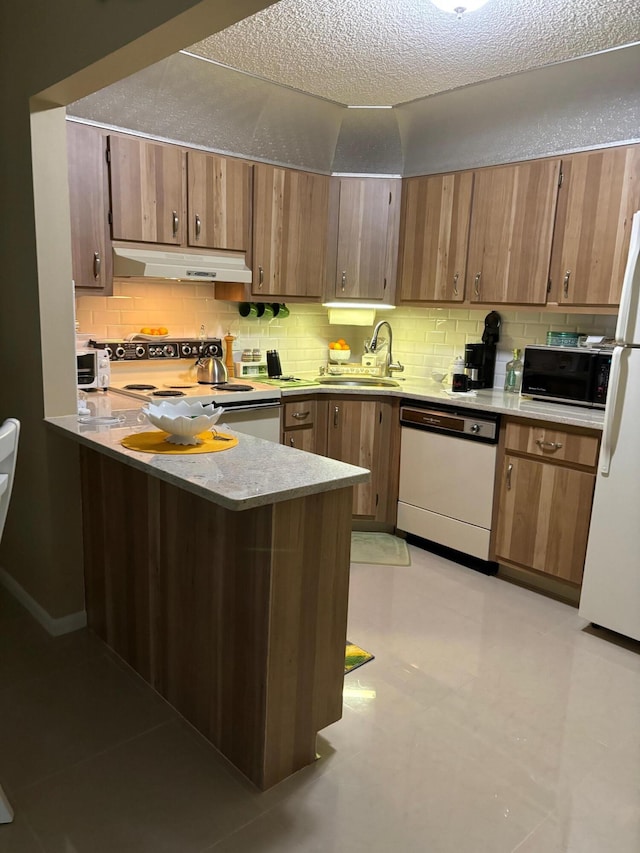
[253, 473]
[492, 400]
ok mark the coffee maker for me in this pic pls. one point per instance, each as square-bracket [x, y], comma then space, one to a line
[480, 359]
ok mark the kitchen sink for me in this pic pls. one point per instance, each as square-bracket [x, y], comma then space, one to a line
[359, 381]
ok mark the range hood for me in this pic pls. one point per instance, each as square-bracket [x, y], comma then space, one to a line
[135, 262]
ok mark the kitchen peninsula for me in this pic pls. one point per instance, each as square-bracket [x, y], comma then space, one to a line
[222, 579]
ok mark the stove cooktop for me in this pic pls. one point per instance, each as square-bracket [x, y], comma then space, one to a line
[165, 385]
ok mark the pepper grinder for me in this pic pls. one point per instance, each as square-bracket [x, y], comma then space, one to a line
[228, 358]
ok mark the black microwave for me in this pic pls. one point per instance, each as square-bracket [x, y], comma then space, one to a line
[573, 375]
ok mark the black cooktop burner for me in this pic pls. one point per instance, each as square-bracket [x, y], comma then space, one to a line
[140, 387]
[231, 386]
[168, 394]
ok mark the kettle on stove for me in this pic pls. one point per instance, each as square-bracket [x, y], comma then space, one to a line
[211, 370]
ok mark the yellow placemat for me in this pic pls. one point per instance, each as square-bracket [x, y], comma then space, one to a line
[154, 442]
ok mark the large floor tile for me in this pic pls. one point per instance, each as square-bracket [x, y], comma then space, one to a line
[164, 792]
[17, 837]
[52, 722]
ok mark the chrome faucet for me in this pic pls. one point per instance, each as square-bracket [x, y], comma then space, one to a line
[389, 364]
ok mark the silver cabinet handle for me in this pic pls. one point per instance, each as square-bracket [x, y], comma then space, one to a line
[176, 222]
[548, 445]
[344, 279]
[260, 277]
[97, 264]
[565, 283]
[476, 284]
[509, 470]
[455, 283]
[198, 227]
[300, 416]
[292, 442]
[336, 412]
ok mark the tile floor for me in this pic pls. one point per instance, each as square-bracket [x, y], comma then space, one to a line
[490, 720]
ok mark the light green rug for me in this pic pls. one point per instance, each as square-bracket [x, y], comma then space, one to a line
[379, 548]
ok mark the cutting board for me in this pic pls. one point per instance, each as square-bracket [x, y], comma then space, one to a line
[289, 383]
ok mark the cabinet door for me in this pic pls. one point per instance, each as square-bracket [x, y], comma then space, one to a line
[219, 201]
[88, 199]
[543, 517]
[289, 232]
[511, 229]
[600, 193]
[367, 239]
[434, 234]
[302, 439]
[147, 194]
[360, 433]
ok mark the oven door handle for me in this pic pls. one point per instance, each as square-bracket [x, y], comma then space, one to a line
[250, 407]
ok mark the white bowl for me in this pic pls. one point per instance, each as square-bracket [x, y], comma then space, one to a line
[184, 420]
[339, 354]
[438, 374]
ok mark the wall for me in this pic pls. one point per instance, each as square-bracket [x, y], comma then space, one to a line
[423, 338]
[65, 48]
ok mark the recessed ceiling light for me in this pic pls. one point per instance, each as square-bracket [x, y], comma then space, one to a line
[458, 7]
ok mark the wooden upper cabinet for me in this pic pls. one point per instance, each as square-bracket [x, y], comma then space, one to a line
[88, 199]
[434, 234]
[511, 231]
[599, 194]
[147, 191]
[367, 238]
[219, 201]
[289, 232]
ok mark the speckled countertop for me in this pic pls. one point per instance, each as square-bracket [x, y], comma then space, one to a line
[492, 400]
[253, 473]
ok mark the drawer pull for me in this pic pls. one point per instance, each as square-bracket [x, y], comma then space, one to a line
[97, 264]
[565, 284]
[292, 442]
[300, 416]
[175, 222]
[548, 445]
[509, 470]
[198, 227]
[336, 413]
[344, 279]
[260, 277]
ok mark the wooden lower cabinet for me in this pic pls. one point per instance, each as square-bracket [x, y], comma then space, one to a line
[365, 432]
[543, 507]
[305, 425]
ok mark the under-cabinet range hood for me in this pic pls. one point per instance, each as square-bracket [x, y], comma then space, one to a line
[135, 262]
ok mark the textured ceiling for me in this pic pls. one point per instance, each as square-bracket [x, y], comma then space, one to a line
[382, 52]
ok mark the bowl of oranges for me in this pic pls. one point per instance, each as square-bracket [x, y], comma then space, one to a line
[339, 351]
[149, 333]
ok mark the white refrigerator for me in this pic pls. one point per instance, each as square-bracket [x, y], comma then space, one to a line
[610, 594]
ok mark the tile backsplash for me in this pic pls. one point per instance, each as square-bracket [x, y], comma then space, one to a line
[423, 338]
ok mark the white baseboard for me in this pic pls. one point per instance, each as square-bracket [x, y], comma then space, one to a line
[54, 626]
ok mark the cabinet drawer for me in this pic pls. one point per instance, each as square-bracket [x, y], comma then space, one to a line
[300, 413]
[549, 442]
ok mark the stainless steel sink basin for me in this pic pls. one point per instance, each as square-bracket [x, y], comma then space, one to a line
[360, 381]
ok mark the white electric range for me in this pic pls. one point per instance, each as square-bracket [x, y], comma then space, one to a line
[250, 407]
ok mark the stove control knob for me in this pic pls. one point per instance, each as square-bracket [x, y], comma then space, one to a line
[185, 349]
[140, 351]
[119, 351]
[109, 353]
[475, 428]
[168, 350]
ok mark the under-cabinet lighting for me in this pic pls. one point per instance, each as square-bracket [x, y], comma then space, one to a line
[377, 306]
[369, 107]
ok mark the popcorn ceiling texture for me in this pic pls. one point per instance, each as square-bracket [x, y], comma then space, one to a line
[388, 52]
[423, 338]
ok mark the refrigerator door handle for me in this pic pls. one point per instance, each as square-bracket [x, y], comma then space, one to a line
[623, 332]
[610, 411]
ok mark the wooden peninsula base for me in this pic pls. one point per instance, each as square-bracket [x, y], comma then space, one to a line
[238, 619]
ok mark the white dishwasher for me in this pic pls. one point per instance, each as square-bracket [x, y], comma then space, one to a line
[447, 474]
